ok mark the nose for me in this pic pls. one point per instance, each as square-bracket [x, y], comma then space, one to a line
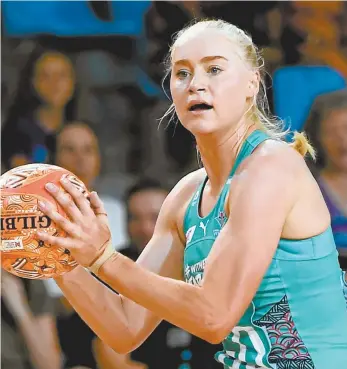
[198, 84]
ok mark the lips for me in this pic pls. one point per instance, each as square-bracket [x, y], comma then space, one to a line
[200, 107]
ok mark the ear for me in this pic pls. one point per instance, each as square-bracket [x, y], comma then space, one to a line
[253, 84]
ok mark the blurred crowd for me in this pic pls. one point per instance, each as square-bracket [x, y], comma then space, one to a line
[92, 105]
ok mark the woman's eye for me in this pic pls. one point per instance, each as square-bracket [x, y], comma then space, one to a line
[214, 70]
[182, 74]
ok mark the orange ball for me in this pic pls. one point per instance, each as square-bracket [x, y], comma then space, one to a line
[22, 253]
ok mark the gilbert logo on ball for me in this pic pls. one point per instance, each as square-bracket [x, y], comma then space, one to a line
[22, 253]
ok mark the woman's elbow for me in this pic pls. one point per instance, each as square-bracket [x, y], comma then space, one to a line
[122, 342]
[124, 345]
[215, 331]
[120, 346]
[214, 336]
[122, 349]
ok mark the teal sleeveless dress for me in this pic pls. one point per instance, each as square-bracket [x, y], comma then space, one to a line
[297, 318]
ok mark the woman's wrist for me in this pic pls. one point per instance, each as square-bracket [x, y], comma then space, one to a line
[99, 262]
[115, 259]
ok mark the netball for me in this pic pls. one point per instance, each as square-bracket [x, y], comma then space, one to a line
[22, 253]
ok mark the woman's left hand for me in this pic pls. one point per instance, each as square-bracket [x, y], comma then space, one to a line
[87, 228]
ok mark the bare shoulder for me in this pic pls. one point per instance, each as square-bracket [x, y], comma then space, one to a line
[276, 155]
[185, 188]
[273, 163]
[281, 163]
[278, 172]
[176, 203]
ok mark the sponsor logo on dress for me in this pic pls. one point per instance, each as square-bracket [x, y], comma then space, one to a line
[190, 234]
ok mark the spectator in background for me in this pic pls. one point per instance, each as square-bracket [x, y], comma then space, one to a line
[168, 346]
[327, 129]
[77, 150]
[28, 337]
[143, 202]
[44, 101]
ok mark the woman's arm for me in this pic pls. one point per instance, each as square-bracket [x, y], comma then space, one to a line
[235, 266]
[118, 321]
[263, 194]
[109, 359]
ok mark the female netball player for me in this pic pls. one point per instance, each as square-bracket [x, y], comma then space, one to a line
[242, 251]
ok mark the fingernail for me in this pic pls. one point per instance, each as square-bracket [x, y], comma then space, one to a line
[51, 187]
[41, 204]
[64, 180]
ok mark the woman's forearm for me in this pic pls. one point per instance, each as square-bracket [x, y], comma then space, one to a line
[180, 303]
[99, 307]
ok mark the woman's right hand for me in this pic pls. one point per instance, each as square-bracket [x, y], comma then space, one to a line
[87, 230]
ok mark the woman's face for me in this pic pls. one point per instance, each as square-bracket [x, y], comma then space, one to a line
[211, 86]
[78, 152]
[333, 137]
[54, 79]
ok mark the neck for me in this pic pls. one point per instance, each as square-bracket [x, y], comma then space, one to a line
[50, 117]
[219, 154]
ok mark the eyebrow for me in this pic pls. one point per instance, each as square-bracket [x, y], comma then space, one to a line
[204, 60]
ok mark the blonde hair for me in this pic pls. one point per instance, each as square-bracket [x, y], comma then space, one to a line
[259, 110]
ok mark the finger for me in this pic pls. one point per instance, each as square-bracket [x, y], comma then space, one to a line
[65, 242]
[65, 202]
[80, 200]
[59, 220]
[96, 203]
[98, 207]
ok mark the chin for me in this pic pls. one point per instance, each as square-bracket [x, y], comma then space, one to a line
[199, 127]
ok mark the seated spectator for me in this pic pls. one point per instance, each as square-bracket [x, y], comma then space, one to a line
[78, 151]
[168, 346]
[143, 202]
[43, 102]
[327, 129]
[28, 337]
